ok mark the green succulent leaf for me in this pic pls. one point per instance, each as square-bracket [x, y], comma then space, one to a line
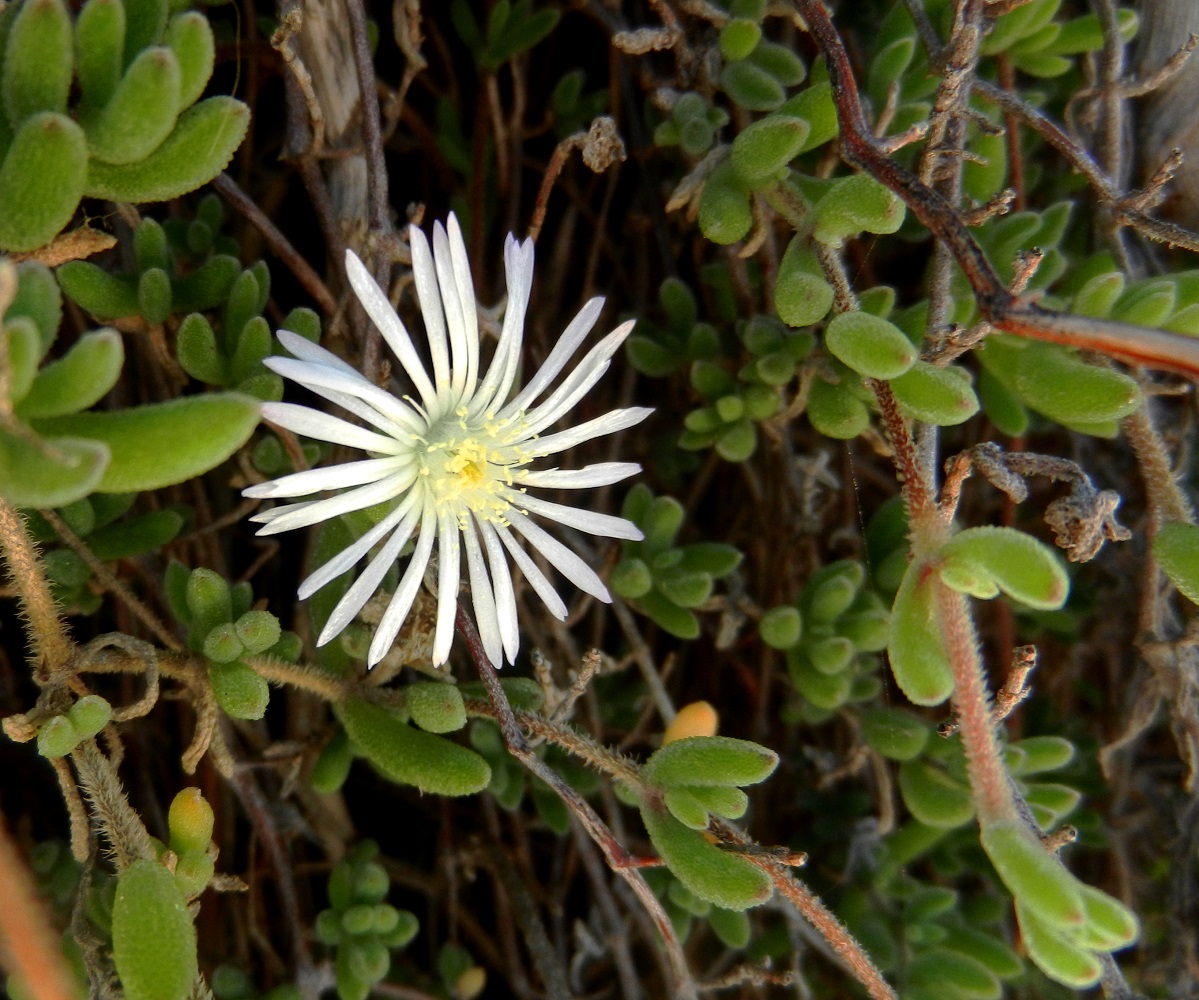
[1067, 389]
[940, 396]
[201, 144]
[141, 112]
[871, 346]
[853, 205]
[715, 876]
[1176, 549]
[894, 733]
[933, 796]
[412, 756]
[725, 215]
[435, 707]
[762, 150]
[49, 472]
[189, 36]
[1034, 877]
[711, 760]
[146, 20]
[79, 379]
[239, 690]
[100, 293]
[1054, 953]
[161, 444]
[919, 660]
[38, 61]
[153, 937]
[1020, 565]
[41, 180]
[801, 295]
[751, 86]
[39, 300]
[99, 51]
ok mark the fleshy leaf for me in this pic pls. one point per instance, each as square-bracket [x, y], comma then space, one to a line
[412, 756]
[79, 379]
[163, 443]
[49, 473]
[435, 707]
[190, 38]
[856, 204]
[725, 215]
[99, 50]
[871, 346]
[1067, 389]
[153, 937]
[940, 396]
[141, 112]
[1054, 954]
[933, 797]
[716, 876]
[38, 61]
[763, 149]
[711, 760]
[239, 690]
[1033, 876]
[916, 649]
[801, 295]
[894, 733]
[100, 293]
[202, 143]
[41, 180]
[1176, 549]
[1020, 565]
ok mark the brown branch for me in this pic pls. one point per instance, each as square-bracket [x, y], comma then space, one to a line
[1007, 312]
[304, 272]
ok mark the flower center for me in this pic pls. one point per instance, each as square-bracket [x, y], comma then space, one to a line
[469, 471]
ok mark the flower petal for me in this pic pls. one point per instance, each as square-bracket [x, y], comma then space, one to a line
[454, 317]
[561, 558]
[324, 427]
[388, 323]
[343, 503]
[575, 517]
[482, 596]
[579, 382]
[467, 301]
[497, 383]
[397, 413]
[532, 573]
[609, 423]
[562, 352]
[589, 477]
[352, 554]
[429, 297]
[306, 350]
[368, 581]
[331, 477]
[448, 572]
[401, 601]
[505, 595]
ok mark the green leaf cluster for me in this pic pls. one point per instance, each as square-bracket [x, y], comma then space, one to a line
[360, 925]
[668, 581]
[692, 125]
[223, 625]
[831, 635]
[104, 105]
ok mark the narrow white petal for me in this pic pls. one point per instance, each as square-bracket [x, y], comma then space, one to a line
[532, 572]
[352, 554]
[589, 477]
[482, 596]
[429, 296]
[505, 595]
[332, 477]
[384, 317]
[401, 601]
[306, 350]
[466, 300]
[274, 513]
[368, 581]
[396, 411]
[518, 265]
[609, 423]
[343, 503]
[443, 261]
[448, 571]
[561, 558]
[567, 344]
[573, 517]
[579, 382]
[324, 427]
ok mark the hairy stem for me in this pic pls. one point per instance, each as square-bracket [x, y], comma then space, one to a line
[52, 648]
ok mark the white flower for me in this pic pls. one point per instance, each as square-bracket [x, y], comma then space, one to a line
[456, 459]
